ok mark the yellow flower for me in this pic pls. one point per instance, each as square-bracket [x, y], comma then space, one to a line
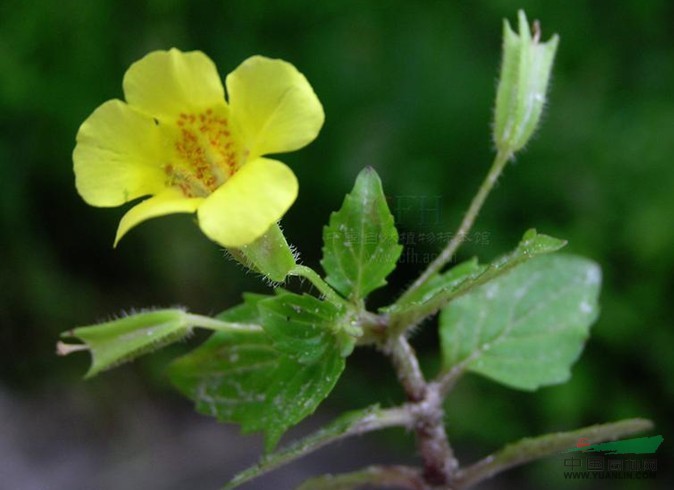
[178, 140]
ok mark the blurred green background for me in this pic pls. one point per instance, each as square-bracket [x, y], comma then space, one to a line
[407, 88]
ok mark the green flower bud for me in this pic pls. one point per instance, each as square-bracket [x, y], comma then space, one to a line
[121, 340]
[270, 255]
[522, 87]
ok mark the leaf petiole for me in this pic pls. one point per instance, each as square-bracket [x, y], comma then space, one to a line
[322, 286]
[219, 325]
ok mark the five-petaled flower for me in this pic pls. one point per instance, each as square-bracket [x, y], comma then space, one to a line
[179, 141]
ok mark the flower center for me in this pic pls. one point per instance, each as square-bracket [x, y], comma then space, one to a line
[206, 153]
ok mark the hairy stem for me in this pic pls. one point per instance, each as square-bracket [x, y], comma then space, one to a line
[372, 419]
[476, 204]
[218, 325]
[527, 450]
[407, 368]
[436, 453]
[440, 465]
[446, 381]
[322, 286]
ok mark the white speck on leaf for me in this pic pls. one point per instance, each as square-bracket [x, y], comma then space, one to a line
[593, 276]
[585, 307]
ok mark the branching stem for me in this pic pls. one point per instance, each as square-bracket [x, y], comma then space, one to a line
[424, 411]
[426, 407]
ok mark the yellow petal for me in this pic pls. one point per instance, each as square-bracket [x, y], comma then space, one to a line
[274, 106]
[168, 202]
[117, 156]
[252, 200]
[165, 84]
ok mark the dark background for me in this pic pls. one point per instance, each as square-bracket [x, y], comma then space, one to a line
[408, 88]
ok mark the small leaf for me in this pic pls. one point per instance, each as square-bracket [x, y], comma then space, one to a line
[339, 428]
[118, 341]
[534, 243]
[459, 280]
[527, 327]
[240, 377]
[531, 245]
[361, 242]
[438, 284]
[302, 327]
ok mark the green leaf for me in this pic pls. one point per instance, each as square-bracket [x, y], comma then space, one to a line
[343, 426]
[525, 328]
[360, 244]
[459, 280]
[530, 246]
[241, 377]
[534, 243]
[246, 312]
[440, 284]
[118, 341]
[302, 327]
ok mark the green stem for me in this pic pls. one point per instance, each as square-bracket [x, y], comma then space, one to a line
[322, 286]
[527, 450]
[447, 254]
[372, 419]
[218, 325]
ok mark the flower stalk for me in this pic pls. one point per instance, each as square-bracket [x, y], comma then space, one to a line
[447, 254]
